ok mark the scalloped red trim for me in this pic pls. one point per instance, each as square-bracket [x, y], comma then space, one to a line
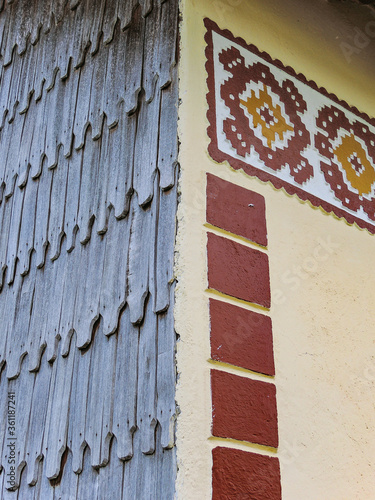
[219, 156]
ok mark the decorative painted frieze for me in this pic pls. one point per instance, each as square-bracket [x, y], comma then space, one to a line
[280, 127]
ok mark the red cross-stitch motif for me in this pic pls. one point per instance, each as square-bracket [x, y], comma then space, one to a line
[274, 113]
[349, 150]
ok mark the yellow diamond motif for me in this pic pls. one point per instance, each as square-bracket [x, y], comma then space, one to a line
[361, 175]
[275, 124]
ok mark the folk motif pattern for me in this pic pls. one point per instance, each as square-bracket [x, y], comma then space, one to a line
[279, 127]
[350, 147]
[259, 121]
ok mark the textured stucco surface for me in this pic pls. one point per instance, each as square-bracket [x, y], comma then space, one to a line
[321, 269]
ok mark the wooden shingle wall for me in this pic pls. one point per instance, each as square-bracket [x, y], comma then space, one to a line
[88, 199]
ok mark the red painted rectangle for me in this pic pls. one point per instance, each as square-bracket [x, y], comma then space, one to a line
[236, 209]
[241, 337]
[238, 474]
[238, 270]
[243, 409]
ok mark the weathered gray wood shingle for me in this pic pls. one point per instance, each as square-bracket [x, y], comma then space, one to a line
[88, 200]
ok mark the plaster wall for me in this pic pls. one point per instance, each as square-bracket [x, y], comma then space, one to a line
[321, 269]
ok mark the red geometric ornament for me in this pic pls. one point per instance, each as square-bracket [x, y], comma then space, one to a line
[266, 116]
[275, 125]
[349, 159]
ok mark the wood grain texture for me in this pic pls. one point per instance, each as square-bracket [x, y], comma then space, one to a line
[146, 390]
[168, 143]
[166, 375]
[124, 417]
[146, 148]
[120, 162]
[88, 201]
[164, 257]
[114, 283]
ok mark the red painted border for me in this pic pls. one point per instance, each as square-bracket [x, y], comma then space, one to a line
[220, 157]
[241, 337]
[236, 209]
[244, 409]
[238, 474]
[238, 270]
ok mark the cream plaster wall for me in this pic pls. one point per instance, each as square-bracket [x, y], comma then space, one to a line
[322, 270]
